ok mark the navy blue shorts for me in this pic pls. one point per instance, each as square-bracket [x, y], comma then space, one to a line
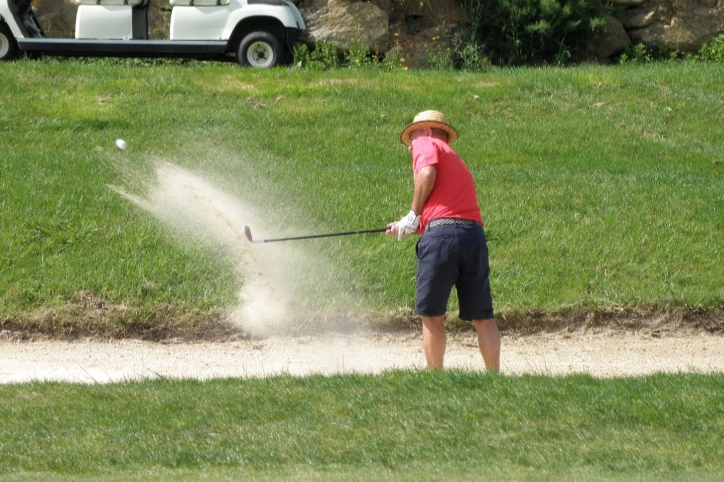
[454, 255]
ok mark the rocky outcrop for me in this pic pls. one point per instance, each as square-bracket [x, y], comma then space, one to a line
[413, 29]
[417, 28]
[343, 23]
[682, 25]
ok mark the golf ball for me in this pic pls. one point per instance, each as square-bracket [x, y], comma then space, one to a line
[121, 144]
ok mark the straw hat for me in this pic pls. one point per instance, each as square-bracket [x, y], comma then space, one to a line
[432, 119]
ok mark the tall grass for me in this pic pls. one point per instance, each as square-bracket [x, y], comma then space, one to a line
[599, 186]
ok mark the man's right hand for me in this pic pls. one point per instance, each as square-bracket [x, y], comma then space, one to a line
[391, 229]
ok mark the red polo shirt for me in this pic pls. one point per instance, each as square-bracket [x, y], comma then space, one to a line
[454, 193]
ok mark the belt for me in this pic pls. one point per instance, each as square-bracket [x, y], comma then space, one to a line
[443, 221]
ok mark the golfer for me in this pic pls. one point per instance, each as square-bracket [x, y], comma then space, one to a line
[452, 250]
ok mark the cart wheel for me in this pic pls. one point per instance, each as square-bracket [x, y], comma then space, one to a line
[8, 46]
[260, 49]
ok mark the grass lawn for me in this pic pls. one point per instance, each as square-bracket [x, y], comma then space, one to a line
[600, 186]
[396, 426]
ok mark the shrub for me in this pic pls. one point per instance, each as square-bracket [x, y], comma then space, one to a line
[324, 56]
[635, 55]
[359, 55]
[472, 58]
[441, 60]
[392, 60]
[713, 51]
[516, 32]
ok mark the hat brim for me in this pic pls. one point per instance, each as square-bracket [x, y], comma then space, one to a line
[452, 134]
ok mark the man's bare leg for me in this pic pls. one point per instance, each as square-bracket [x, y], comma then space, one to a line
[433, 340]
[489, 343]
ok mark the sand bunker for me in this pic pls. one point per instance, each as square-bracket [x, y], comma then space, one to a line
[601, 355]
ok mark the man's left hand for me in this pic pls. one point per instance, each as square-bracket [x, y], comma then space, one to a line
[408, 225]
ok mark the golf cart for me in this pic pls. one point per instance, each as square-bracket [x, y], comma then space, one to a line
[260, 32]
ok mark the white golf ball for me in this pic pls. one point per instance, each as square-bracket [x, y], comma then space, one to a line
[121, 144]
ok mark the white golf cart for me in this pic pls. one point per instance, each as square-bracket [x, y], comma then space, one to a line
[260, 32]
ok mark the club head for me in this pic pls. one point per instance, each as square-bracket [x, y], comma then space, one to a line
[247, 233]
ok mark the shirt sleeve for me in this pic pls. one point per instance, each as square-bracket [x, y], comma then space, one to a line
[424, 153]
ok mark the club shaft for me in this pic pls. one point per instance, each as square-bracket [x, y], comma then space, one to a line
[329, 235]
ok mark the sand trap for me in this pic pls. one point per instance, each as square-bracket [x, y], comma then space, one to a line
[601, 355]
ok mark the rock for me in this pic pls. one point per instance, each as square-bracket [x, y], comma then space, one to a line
[613, 41]
[687, 31]
[637, 17]
[341, 22]
[430, 42]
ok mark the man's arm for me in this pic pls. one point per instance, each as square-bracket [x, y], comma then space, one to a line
[424, 184]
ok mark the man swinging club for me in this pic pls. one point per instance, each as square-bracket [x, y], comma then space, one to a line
[452, 250]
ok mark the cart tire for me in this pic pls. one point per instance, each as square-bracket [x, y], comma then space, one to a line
[8, 45]
[260, 49]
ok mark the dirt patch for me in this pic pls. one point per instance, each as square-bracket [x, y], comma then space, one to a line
[87, 316]
[647, 319]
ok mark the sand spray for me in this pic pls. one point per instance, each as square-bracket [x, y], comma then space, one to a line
[276, 277]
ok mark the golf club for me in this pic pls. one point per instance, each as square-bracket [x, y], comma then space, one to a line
[247, 233]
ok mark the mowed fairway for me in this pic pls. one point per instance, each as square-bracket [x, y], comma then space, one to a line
[395, 426]
[602, 189]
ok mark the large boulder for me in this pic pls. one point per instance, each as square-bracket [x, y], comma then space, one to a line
[342, 23]
[638, 17]
[684, 26]
[612, 41]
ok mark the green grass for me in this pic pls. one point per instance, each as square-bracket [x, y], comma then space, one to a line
[600, 186]
[398, 426]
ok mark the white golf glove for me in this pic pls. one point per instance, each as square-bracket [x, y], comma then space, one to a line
[407, 225]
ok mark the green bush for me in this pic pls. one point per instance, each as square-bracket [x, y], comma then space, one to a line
[640, 53]
[359, 55]
[392, 60]
[517, 32]
[636, 54]
[324, 56]
[443, 59]
[472, 58]
[713, 51]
